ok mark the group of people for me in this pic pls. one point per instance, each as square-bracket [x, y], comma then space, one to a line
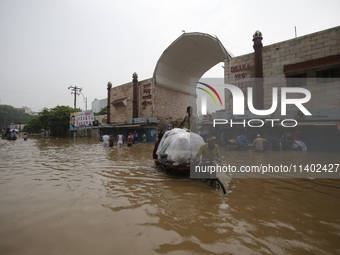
[258, 145]
[274, 142]
[108, 140]
[8, 134]
[210, 150]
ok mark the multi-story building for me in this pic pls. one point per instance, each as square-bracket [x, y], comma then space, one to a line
[27, 110]
[98, 104]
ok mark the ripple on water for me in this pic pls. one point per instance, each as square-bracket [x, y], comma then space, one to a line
[59, 194]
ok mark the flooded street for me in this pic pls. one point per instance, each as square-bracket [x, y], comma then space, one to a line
[65, 196]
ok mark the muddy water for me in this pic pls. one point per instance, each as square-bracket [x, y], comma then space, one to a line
[65, 196]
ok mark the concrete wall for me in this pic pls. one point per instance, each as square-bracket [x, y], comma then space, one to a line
[170, 104]
[146, 98]
[238, 71]
[317, 45]
[120, 112]
[153, 101]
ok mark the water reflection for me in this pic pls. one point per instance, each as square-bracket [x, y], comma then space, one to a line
[75, 196]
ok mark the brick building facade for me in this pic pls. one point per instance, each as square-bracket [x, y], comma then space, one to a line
[315, 55]
[145, 107]
[311, 62]
[153, 101]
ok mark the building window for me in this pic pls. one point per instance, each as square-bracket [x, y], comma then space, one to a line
[296, 80]
[328, 75]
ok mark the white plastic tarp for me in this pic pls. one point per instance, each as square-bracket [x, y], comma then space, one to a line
[179, 145]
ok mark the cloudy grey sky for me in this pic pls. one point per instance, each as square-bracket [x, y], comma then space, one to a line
[49, 45]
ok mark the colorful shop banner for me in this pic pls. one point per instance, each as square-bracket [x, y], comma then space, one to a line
[81, 120]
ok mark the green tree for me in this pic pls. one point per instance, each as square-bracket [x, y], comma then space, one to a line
[59, 120]
[56, 120]
[103, 111]
[9, 114]
[44, 119]
[33, 126]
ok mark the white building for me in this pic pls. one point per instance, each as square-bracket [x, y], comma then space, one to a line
[27, 110]
[98, 104]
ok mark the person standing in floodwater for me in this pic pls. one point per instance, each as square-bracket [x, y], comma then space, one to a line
[106, 139]
[130, 139]
[242, 141]
[120, 140]
[189, 122]
[135, 136]
[258, 144]
[111, 141]
[159, 138]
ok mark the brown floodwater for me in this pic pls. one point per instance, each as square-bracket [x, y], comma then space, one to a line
[66, 196]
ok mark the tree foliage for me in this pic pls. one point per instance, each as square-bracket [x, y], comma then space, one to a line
[9, 115]
[103, 111]
[33, 126]
[56, 120]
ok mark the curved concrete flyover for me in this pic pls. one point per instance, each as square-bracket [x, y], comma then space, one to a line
[186, 60]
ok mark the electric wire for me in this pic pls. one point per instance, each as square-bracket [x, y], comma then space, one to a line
[61, 96]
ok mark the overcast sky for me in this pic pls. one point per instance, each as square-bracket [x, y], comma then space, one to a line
[49, 45]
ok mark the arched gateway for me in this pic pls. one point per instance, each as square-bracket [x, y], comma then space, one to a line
[164, 98]
[187, 58]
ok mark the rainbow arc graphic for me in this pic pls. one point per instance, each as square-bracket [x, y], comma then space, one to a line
[212, 93]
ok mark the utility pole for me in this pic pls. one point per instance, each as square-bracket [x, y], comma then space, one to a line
[20, 121]
[76, 91]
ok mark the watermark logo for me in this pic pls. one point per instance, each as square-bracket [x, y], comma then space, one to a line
[280, 98]
[238, 102]
[204, 99]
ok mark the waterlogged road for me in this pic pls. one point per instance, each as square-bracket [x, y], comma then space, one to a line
[65, 196]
